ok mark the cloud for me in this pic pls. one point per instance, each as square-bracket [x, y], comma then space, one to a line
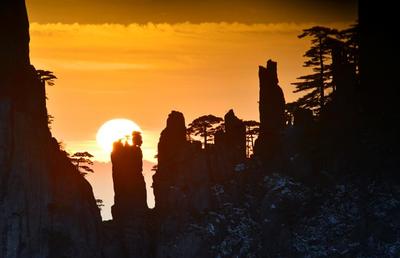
[92, 65]
[172, 11]
[149, 46]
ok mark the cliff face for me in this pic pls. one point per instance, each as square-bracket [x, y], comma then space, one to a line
[46, 208]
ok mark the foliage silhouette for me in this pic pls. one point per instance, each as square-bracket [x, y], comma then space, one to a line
[47, 77]
[50, 120]
[83, 161]
[351, 39]
[318, 56]
[205, 126]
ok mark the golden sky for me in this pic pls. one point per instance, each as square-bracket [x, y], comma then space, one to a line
[142, 72]
[140, 59]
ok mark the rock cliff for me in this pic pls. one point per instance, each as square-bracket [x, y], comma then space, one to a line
[14, 46]
[47, 208]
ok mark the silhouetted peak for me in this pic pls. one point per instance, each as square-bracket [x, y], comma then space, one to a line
[129, 186]
[235, 136]
[272, 109]
[130, 208]
[272, 100]
[230, 114]
[14, 43]
[235, 128]
[231, 120]
[176, 122]
[174, 134]
[268, 73]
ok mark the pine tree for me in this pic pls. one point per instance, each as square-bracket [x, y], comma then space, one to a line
[318, 58]
[252, 132]
[205, 126]
[47, 77]
[82, 161]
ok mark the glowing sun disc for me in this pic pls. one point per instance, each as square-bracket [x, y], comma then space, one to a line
[114, 130]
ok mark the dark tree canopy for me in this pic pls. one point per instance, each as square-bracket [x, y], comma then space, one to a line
[83, 161]
[47, 77]
[351, 39]
[205, 126]
[326, 44]
[318, 57]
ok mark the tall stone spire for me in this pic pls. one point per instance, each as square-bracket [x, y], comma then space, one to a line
[14, 33]
[130, 209]
[272, 111]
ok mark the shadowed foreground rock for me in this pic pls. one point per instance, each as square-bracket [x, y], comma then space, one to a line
[47, 208]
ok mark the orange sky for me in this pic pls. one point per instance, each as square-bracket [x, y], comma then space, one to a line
[143, 71]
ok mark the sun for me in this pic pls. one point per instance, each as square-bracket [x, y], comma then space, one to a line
[114, 130]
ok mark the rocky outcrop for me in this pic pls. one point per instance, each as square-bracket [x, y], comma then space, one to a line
[14, 44]
[47, 208]
[272, 112]
[129, 211]
[235, 135]
[182, 171]
[229, 150]
[171, 148]
[129, 185]
[181, 182]
[172, 138]
[185, 170]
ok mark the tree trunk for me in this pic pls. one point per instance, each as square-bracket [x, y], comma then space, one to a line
[205, 136]
[321, 86]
